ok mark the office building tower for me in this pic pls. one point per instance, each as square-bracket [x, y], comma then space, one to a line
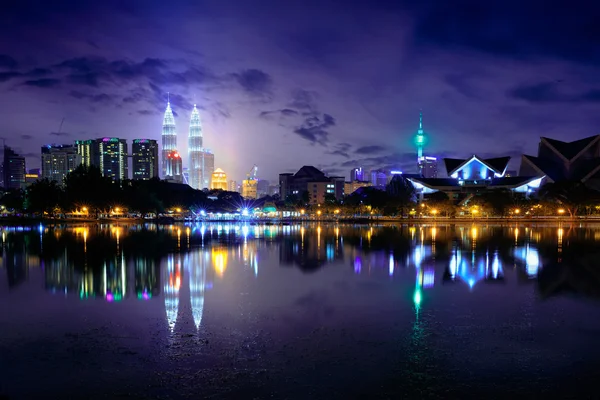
[296, 185]
[107, 154]
[195, 150]
[174, 167]
[379, 178]
[219, 179]
[429, 167]
[13, 169]
[58, 161]
[357, 174]
[111, 154]
[144, 154]
[207, 167]
[169, 137]
[262, 188]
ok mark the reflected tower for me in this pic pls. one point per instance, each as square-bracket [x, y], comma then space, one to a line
[171, 289]
[169, 137]
[196, 263]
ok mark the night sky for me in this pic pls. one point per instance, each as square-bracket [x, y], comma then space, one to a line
[282, 84]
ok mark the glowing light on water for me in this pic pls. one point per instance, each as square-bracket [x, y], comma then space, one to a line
[357, 265]
[391, 271]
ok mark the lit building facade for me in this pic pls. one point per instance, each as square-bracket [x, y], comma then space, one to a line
[207, 167]
[357, 174]
[58, 161]
[85, 150]
[111, 154]
[297, 184]
[195, 151]
[174, 167]
[169, 137]
[233, 186]
[474, 175]
[250, 188]
[144, 153]
[219, 179]
[13, 169]
[379, 178]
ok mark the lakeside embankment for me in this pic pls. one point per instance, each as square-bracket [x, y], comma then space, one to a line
[287, 221]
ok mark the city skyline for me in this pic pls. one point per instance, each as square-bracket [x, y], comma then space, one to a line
[298, 90]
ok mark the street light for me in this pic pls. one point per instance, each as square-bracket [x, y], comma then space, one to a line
[434, 211]
[117, 210]
[517, 211]
[561, 211]
[319, 213]
[337, 211]
[84, 209]
[178, 210]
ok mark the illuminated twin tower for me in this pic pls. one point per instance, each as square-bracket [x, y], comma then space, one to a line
[201, 161]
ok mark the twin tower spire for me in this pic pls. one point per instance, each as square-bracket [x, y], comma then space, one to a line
[195, 150]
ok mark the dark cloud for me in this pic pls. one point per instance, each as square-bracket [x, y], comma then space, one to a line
[58, 134]
[42, 83]
[94, 98]
[37, 72]
[255, 82]
[315, 129]
[304, 100]
[147, 112]
[369, 150]
[460, 83]
[5, 76]
[284, 112]
[549, 92]
[26, 137]
[7, 62]
[339, 153]
[512, 28]
[88, 79]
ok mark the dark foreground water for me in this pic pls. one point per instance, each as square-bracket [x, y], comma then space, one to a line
[313, 312]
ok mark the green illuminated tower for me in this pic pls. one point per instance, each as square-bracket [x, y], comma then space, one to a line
[420, 142]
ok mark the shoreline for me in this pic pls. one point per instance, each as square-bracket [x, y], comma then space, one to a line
[287, 221]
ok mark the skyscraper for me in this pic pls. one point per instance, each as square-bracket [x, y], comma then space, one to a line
[169, 137]
[108, 154]
[58, 161]
[207, 165]
[145, 159]
[14, 169]
[111, 157]
[429, 167]
[174, 167]
[195, 150]
[357, 174]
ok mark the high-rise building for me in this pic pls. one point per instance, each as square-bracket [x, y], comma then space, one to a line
[174, 167]
[207, 167]
[357, 174]
[233, 186]
[111, 154]
[298, 184]
[379, 178]
[108, 154]
[429, 167]
[219, 179]
[14, 169]
[144, 154]
[262, 188]
[85, 150]
[195, 150]
[58, 161]
[169, 137]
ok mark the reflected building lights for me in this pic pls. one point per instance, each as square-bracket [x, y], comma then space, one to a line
[391, 265]
[219, 260]
[171, 289]
[530, 257]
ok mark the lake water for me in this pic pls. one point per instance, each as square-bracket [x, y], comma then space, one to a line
[299, 312]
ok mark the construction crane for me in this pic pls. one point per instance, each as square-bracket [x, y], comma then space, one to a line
[253, 174]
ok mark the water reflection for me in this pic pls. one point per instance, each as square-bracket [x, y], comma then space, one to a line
[115, 263]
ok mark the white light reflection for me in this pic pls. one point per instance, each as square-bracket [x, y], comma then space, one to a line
[171, 290]
[197, 268]
[530, 257]
[391, 264]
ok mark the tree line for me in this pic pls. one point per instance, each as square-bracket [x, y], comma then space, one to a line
[86, 188]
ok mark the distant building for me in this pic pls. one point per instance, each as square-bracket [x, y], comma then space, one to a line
[297, 184]
[351, 187]
[379, 178]
[273, 190]
[13, 169]
[262, 188]
[233, 186]
[428, 167]
[250, 188]
[174, 172]
[206, 158]
[319, 191]
[58, 161]
[145, 161]
[357, 174]
[219, 179]
[31, 178]
[108, 154]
